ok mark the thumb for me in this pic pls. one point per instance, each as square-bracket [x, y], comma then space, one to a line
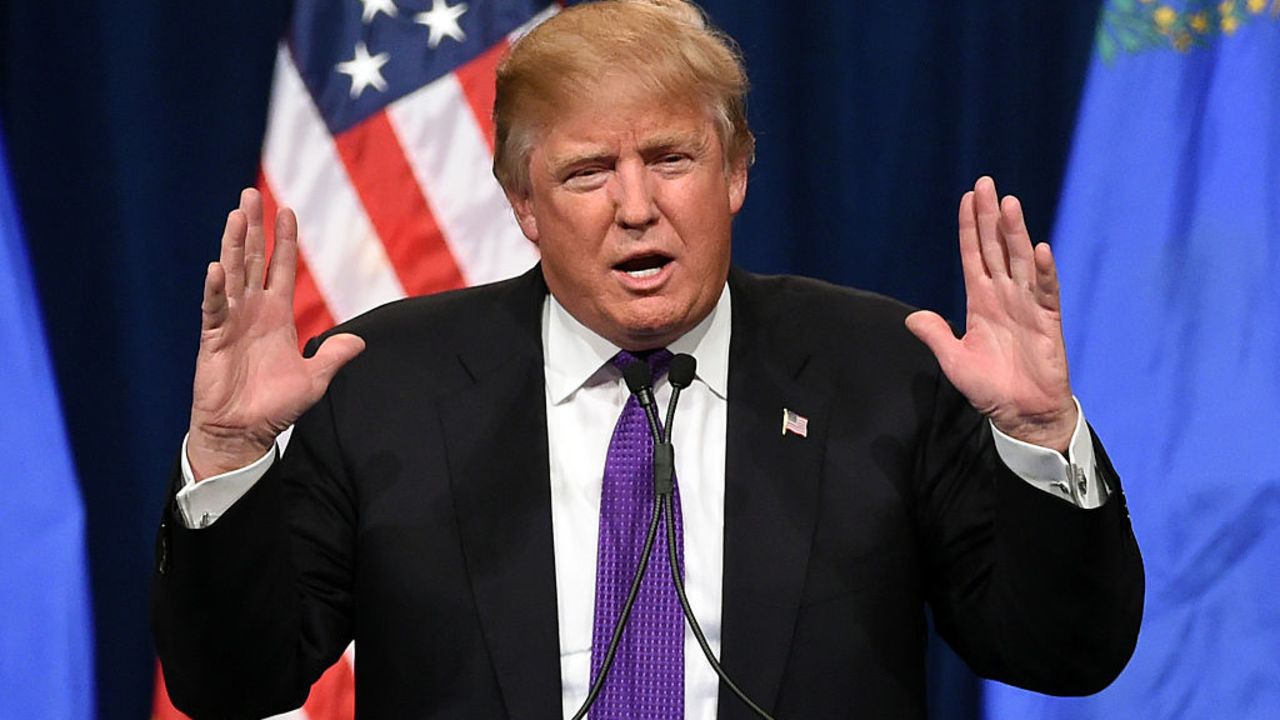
[333, 353]
[933, 331]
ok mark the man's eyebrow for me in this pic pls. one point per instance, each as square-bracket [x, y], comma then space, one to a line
[673, 140]
[573, 158]
[656, 143]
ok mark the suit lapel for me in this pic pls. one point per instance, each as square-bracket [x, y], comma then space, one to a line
[496, 438]
[502, 498]
[772, 481]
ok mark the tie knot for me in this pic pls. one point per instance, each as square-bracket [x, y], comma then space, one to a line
[658, 360]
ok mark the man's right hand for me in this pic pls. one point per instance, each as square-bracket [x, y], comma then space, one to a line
[251, 382]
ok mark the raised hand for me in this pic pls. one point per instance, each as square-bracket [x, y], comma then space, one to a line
[251, 382]
[1011, 362]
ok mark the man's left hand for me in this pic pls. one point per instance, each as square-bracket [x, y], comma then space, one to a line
[1011, 362]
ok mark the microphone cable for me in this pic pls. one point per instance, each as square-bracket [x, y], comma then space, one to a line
[640, 382]
[681, 376]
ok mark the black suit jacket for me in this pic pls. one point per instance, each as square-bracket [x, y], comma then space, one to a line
[412, 512]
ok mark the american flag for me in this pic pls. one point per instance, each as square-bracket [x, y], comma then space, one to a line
[793, 422]
[380, 138]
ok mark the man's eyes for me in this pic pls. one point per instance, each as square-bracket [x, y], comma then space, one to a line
[673, 162]
[584, 178]
[591, 174]
[668, 159]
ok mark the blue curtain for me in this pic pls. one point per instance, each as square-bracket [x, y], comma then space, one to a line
[134, 123]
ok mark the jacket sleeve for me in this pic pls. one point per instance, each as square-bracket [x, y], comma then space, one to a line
[1029, 589]
[249, 611]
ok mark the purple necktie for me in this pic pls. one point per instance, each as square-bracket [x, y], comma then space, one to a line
[647, 678]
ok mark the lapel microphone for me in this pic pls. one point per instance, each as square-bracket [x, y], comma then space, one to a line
[680, 375]
[639, 379]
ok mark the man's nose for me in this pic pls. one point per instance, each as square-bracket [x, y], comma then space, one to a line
[634, 202]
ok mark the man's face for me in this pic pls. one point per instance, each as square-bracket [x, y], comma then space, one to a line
[630, 205]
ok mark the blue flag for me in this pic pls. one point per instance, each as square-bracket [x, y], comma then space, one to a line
[46, 643]
[1168, 243]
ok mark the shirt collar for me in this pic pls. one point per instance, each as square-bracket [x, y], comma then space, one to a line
[575, 356]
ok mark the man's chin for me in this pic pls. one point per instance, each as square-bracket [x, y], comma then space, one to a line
[652, 332]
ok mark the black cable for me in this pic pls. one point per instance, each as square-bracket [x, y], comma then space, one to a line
[671, 414]
[621, 625]
[680, 375]
[669, 512]
[639, 378]
[640, 384]
[655, 430]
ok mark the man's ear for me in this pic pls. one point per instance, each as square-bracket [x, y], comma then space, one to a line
[522, 204]
[737, 185]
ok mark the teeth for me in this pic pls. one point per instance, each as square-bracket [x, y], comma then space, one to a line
[643, 273]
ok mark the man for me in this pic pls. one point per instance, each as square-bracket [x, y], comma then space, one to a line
[447, 495]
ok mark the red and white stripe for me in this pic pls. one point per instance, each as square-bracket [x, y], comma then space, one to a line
[405, 203]
[402, 204]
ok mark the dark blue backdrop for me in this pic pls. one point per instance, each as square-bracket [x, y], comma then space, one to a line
[132, 125]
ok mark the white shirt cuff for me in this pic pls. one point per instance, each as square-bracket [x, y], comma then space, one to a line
[1073, 478]
[202, 503]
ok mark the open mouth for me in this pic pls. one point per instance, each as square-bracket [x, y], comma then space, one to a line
[643, 266]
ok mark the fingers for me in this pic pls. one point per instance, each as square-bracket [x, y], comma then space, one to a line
[1046, 285]
[970, 254]
[1000, 234]
[213, 306]
[333, 353]
[284, 256]
[255, 242]
[1017, 241]
[987, 211]
[231, 257]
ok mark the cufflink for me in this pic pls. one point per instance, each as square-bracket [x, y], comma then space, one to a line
[1076, 485]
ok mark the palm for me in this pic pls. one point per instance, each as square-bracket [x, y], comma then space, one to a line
[251, 382]
[1011, 362]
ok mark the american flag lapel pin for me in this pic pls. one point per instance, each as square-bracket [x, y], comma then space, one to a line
[794, 423]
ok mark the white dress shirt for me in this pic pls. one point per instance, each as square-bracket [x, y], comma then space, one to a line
[584, 397]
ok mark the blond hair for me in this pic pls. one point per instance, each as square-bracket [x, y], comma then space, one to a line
[667, 46]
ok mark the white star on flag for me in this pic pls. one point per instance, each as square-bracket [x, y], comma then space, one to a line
[373, 7]
[443, 21]
[393, 200]
[365, 70]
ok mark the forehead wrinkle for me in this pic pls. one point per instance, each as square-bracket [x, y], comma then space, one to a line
[583, 151]
[585, 154]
